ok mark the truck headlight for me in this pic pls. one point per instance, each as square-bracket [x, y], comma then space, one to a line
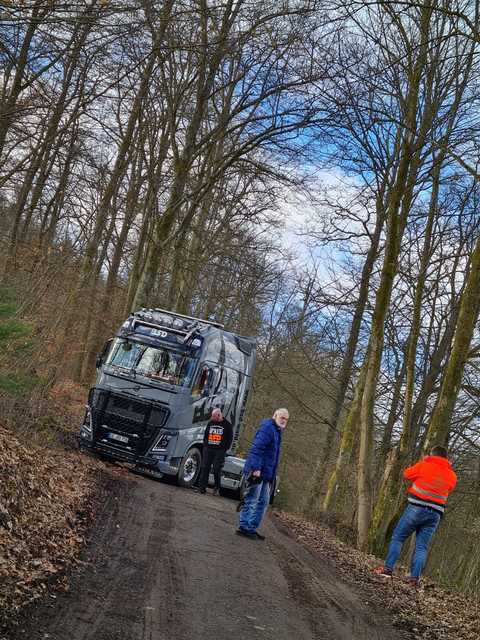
[86, 430]
[162, 442]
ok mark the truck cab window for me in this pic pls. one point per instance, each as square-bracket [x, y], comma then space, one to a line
[203, 381]
[124, 354]
[163, 365]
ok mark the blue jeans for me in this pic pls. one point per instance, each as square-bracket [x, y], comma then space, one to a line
[424, 522]
[255, 503]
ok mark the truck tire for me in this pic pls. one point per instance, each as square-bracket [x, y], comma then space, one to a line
[189, 469]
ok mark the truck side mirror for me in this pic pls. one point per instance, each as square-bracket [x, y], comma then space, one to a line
[102, 356]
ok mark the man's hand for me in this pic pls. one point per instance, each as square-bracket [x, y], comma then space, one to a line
[256, 473]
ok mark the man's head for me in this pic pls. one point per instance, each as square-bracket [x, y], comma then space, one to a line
[217, 415]
[281, 417]
[440, 451]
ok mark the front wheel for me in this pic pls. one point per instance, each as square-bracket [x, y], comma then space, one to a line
[190, 467]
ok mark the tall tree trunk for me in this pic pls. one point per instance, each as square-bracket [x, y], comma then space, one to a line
[393, 414]
[49, 146]
[387, 501]
[397, 218]
[439, 427]
[312, 503]
[347, 443]
[389, 496]
[188, 245]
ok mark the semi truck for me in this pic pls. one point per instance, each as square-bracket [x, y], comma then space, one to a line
[157, 382]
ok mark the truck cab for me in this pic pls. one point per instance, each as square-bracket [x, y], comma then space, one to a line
[158, 381]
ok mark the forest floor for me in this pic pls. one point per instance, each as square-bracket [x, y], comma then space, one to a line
[90, 551]
[48, 502]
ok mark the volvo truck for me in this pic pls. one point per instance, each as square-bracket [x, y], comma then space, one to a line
[157, 382]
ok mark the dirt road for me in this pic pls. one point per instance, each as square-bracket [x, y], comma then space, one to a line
[165, 563]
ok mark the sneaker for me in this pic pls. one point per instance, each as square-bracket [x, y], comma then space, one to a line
[215, 492]
[413, 582]
[383, 571]
[260, 536]
[247, 534]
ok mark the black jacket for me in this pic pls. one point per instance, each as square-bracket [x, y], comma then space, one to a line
[218, 435]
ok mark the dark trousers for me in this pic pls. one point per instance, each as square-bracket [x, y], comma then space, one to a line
[215, 457]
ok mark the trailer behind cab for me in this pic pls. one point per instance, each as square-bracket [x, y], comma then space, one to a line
[157, 382]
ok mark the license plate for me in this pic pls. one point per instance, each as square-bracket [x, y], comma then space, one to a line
[115, 436]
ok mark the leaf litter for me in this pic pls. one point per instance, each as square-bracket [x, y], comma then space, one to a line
[48, 499]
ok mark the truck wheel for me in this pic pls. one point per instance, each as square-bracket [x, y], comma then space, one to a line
[189, 467]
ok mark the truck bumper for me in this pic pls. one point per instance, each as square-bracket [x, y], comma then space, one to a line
[145, 463]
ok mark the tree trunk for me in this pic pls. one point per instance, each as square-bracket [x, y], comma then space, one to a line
[439, 427]
[349, 432]
[387, 501]
[312, 503]
[396, 224]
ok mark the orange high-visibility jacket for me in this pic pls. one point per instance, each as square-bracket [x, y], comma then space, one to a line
[432, 480]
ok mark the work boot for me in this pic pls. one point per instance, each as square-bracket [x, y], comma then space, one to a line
[247, 534]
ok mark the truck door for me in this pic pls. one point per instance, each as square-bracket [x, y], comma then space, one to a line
[204, 392]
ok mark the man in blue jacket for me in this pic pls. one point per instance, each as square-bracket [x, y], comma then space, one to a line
[260, 471]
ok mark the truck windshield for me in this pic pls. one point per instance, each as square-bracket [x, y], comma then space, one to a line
[164, 365]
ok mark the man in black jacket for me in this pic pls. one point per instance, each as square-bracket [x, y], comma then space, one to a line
[216, 442]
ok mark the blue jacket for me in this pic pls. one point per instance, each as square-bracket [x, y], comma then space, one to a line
[265, 451]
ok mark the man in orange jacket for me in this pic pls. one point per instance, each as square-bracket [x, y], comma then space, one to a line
[432, 480]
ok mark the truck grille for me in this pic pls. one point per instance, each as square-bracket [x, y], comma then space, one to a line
[136, 420]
